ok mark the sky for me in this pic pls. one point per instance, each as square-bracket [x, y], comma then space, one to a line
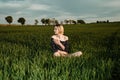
[87, 10]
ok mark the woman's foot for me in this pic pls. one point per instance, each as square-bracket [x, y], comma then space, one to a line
[77, 54]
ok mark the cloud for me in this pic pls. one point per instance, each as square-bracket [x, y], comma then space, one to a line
[5, 5]
[12, 5]
[39, 7]
[89, 10]
[113, 4]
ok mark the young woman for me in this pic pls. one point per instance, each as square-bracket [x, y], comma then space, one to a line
[59, 43]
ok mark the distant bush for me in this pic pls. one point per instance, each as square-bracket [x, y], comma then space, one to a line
[21, 20]
[9, 19]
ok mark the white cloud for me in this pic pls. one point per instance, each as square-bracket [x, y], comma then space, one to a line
[39, 7]
[114, 3]
[19, 12]
[88, 10]
[10, 5]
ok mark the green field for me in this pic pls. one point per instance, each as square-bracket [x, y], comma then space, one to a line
[25, 53]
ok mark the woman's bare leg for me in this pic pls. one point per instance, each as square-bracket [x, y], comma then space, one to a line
[56, 54]
[64, 54]
[76, 54]
[60, 53]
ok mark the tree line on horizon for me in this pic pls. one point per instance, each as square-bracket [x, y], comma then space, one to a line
[45, 21]
[53, 21]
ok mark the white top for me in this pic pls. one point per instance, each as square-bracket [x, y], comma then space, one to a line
[60, 37]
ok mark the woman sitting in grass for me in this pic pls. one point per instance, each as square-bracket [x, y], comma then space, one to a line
[59, 43]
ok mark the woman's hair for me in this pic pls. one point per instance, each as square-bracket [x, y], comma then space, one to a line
[60, 28]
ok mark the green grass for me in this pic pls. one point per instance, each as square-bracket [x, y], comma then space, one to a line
[25, 53]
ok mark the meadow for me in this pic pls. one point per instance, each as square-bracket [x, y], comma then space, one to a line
[25, 53]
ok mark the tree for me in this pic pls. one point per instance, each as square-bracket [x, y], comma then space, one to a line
[56, 22]
[107, 21]
[74, 22]
[36, 21]
[47, 21]
[97, 21]
[43, 21]
[9, 19]
[80, 21]
[21, 20]
[66, 21]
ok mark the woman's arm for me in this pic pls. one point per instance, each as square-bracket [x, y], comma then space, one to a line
[53, 45]
[59, 43]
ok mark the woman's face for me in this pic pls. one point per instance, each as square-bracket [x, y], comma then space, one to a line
[56, 31]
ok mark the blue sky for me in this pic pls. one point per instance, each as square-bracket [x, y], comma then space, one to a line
[88, 10]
